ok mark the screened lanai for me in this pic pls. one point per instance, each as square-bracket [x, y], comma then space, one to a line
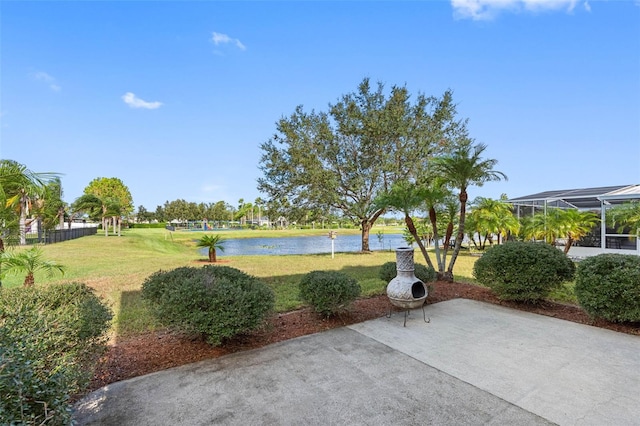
[598, 200]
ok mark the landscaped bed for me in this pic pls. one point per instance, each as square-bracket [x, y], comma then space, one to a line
[160, 350]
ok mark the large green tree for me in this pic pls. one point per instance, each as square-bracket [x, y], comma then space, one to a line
[342, 159]
[114, 189]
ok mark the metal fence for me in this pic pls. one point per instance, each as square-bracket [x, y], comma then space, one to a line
[59, 235]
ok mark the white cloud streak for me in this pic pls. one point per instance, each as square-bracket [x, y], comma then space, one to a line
[219, 38]
[488, 9]
[46, 78]
[135, 102]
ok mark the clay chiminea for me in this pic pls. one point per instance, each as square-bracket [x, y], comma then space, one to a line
[406, 290]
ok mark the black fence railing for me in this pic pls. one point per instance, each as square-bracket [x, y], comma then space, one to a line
[59, 235]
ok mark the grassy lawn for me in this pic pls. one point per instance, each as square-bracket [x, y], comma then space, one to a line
[116, 267]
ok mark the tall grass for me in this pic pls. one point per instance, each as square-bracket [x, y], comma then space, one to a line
[116, 267]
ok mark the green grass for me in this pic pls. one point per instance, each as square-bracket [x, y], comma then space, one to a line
[116, 267]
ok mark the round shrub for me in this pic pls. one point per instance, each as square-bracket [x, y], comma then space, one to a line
[423, 273]
[523, 271]
[50, 339]
[217, 302]
[328, 292]
[608, 286]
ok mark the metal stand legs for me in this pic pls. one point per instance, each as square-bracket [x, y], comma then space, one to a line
[408, 312]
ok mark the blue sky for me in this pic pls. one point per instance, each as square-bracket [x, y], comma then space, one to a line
[174, 98]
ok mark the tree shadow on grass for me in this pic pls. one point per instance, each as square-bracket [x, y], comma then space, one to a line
[133, 316]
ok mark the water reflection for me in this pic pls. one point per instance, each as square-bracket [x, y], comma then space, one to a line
[306, 245]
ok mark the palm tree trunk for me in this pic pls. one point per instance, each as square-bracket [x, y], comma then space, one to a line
[23, 228]
[456, 249]
[413, 231]
[29, 280]
[568, 245]
[213, 256]
[434, 226]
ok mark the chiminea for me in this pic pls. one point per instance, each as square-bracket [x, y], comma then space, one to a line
[406, 290]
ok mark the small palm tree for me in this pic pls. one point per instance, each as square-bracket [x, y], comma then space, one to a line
[29, 261]
[212, 243]
[575, 225]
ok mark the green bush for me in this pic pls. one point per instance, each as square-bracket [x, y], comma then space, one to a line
[523, 271]
[608, 286]
[423, 273]
[50, 339]
[328, 292]
[217, 302]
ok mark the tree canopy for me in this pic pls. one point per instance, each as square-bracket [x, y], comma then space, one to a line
[111, 188]
[343, 158]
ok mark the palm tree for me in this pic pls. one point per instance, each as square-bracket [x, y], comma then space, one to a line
[19, 187]
[212, 243]
[462, 168]
[575, 224]
[625, 215]
[29, 261]
[493, 217]
[405, 197]
[557, 223]
[95, 207]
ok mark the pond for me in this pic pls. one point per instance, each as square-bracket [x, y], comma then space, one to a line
[305, 245]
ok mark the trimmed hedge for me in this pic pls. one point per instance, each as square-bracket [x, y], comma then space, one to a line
[159, 225]
[50, 340]
[523, 271]
[608, 287]
[217, 302]
[328, 292]
[424, 273]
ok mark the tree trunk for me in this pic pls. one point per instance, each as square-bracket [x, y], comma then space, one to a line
[456, 249]
[1, 251]
[212, 255]
[61, 219]
[568, 245]
[29, 280]
[366, 228]
[23, 228]
[412, 230]
[434, 226]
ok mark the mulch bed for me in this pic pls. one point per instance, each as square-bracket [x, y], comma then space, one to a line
[160, 350]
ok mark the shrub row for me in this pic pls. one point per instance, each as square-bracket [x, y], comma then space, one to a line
[160, 225]
[607, 285]
[50, 339]
[217, 302]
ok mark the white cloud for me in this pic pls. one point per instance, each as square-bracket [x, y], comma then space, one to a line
[46, 78]
[219, 38]
[488, 9]
[135, 102]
